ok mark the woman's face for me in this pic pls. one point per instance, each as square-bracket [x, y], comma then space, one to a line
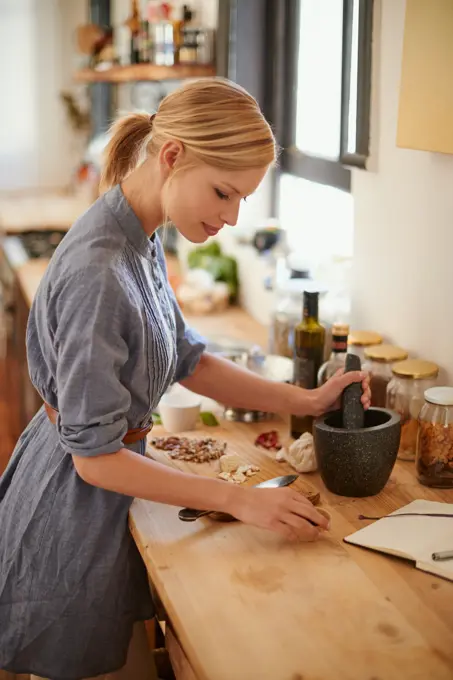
[202, 199]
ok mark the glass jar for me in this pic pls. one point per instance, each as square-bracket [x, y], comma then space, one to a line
[358, 341]
[405, 395]
[379, 362]
[434, 457]
[285, 317]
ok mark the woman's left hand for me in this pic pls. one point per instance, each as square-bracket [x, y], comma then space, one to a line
[328, 396]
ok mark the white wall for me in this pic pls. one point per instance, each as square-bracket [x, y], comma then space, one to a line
[37, 146]
[403, 249]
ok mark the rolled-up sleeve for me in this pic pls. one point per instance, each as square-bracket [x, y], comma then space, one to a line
[91, 351]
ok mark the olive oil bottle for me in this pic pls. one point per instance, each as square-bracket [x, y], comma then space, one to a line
[309, 337]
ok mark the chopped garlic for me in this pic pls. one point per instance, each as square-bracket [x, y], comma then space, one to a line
[229, 462]
[239, 474]
[238, 477]
[224, 475]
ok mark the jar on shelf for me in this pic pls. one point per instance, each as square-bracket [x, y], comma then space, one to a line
[379, 360]
[358, 341]
[434, 456]
[405, 394]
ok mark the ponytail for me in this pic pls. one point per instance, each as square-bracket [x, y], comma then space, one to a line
[129, 137]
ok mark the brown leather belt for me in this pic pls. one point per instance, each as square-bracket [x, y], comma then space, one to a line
[131, 436]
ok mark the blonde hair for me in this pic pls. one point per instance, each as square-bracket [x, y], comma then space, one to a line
[217, 121]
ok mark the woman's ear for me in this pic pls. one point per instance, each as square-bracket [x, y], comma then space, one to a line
[170, 154]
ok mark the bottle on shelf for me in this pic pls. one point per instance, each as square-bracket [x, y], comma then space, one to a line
[135, 27]
[340, 332]
[188, 50]
[164, 39]
[178, 31]
[309, 337]
[146, 56]
[153, 17]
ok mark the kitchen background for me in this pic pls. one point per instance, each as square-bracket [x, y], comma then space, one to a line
[361, 201]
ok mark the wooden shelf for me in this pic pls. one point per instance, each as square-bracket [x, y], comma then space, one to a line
[136, 72]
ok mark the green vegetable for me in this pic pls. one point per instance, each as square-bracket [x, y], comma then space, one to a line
[212, 249]
[208, 419]
[222, 267]
[157, 420]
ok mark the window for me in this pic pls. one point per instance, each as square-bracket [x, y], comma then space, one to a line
[319, 104]
[321, 75]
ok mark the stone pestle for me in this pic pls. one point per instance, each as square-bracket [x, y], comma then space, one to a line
[353, 413]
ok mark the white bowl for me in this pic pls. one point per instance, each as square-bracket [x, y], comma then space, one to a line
[179, 410]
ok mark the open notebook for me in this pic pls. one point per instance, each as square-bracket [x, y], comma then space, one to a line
[413, 538]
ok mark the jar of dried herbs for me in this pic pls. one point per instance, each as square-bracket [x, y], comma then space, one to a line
[434, 455]
[379, 360]
[405, 394]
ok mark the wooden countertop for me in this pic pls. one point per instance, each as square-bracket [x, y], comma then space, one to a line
[246, 604]
[38, 210]
[29, 276]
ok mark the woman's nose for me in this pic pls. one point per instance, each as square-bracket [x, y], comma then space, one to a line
[230, 215]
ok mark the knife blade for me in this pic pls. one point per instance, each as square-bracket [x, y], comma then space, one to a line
[190, 515]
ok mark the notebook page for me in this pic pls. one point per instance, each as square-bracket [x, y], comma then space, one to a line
[413, 537]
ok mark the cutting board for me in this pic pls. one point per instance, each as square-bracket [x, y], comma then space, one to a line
[240, 438]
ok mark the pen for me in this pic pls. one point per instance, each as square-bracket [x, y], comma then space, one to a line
[446, 555]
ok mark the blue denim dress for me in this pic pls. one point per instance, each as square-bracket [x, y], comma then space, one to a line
[105, 339]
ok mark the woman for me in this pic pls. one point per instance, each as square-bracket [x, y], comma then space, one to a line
[105, 340]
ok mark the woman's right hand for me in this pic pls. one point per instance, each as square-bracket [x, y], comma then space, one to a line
[284, 511]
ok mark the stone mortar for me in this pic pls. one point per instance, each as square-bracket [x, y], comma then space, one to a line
[358, 462]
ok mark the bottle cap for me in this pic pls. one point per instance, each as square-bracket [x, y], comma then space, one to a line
[386, 354]
[442, 396]
[340, 329]
[416, 369]
[364, 338]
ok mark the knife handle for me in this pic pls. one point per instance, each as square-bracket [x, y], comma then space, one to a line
[190, 515]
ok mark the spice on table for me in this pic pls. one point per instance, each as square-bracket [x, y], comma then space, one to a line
[239, 475]
[233, 469]
[269, 440]
[192, 450]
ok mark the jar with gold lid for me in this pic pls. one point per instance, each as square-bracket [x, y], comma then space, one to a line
[379, 362]
[405, 394]
[358, 341]
[434, 456]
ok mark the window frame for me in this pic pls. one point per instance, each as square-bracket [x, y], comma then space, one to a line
[283, 17]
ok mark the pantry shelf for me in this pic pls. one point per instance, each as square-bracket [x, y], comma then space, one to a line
[140, 72]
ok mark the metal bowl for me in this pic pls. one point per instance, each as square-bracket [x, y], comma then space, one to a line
[271, 367]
